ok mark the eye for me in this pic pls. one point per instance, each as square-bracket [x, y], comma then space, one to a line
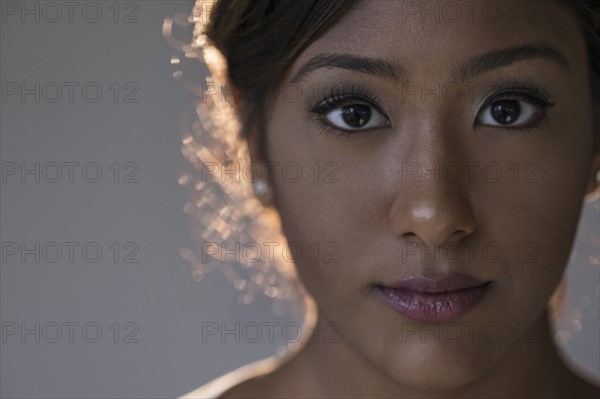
[355, 117]
[510, 113]
[346, 111]
[518, 106]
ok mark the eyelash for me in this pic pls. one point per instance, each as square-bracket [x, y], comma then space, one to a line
[341, 95]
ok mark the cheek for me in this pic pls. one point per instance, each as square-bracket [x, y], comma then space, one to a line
[543, 223]
[546, 211]
[326, 209]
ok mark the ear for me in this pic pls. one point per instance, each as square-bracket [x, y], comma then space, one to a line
[262, 174]
[593, 183]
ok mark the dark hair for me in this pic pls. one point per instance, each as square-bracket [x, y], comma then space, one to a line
[260, 39]
[587, 13]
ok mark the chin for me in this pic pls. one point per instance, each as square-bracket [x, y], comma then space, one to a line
[438, 367]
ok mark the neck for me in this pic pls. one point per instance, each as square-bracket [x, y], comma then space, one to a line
[333, 369]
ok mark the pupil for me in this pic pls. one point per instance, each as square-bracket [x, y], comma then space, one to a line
[356, 115]
[506, 112]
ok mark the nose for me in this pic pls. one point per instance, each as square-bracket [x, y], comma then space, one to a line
[432, 209]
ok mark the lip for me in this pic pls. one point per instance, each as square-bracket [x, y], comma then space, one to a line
[423, 298]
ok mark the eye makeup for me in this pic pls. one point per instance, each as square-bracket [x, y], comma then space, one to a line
[506, 99]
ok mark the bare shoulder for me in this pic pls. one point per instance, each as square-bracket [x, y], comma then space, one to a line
[236, 381]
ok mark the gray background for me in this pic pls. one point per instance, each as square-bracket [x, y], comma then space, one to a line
[157, 293]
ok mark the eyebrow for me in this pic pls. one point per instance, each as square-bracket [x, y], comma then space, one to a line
[495, 59]
[372, 66]
[486, 62]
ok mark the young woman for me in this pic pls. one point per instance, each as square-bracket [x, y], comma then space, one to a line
[456, 143]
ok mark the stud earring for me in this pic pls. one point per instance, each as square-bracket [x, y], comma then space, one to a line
[261, 187]
[262, 191]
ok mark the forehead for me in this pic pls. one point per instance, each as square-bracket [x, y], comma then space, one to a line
[432, 34]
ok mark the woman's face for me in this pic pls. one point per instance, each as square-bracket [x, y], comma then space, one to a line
[474, 158]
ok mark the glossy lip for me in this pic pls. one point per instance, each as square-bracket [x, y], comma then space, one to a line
[423, 298]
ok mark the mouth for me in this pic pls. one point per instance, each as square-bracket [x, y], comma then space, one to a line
[423, 298]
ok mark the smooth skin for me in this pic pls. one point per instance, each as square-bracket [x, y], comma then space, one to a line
[375, 209]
